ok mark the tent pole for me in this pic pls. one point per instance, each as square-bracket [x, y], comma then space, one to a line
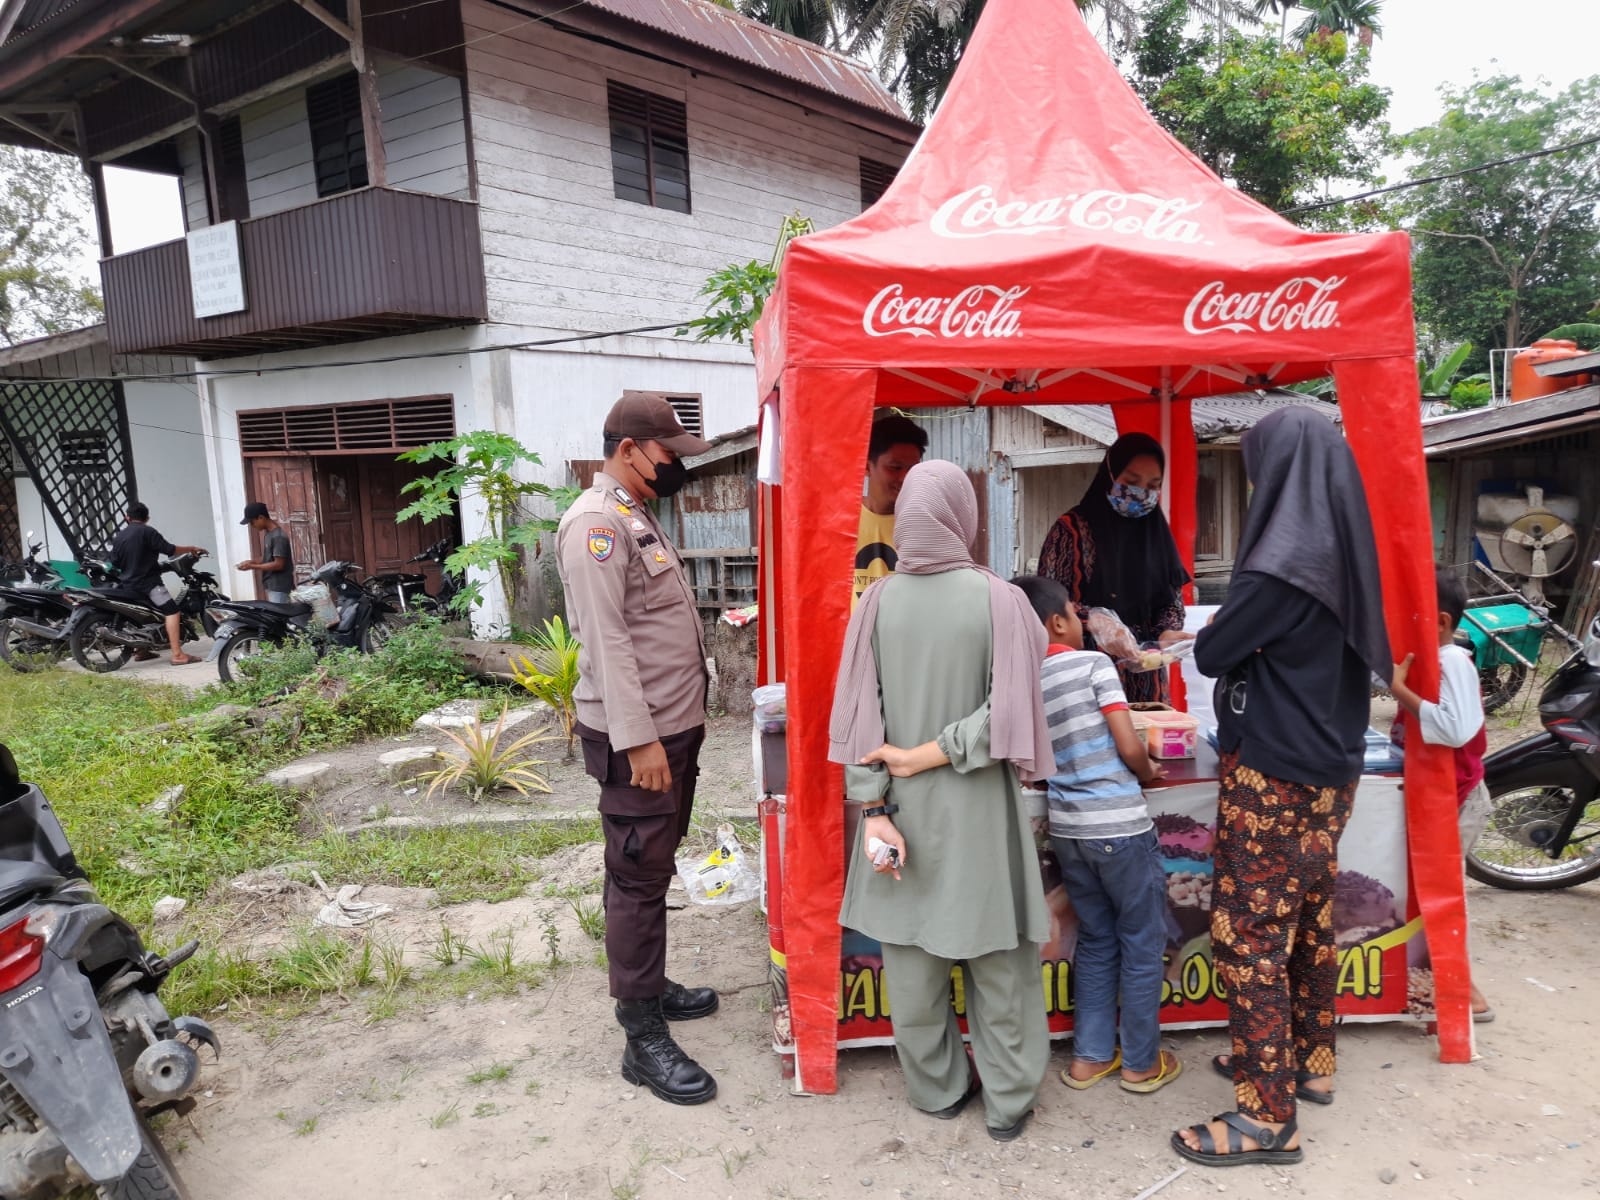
[1166, 436]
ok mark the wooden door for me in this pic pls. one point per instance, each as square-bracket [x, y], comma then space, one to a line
[288, 487]
[339, 491]
[390, 543]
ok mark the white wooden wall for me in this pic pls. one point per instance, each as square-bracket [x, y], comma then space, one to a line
[424, 130]
[277, 153]
[424, 144]
[192, 181]
[561, 251]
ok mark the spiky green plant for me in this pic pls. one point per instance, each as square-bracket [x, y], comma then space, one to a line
[550, 673]
[483, 762]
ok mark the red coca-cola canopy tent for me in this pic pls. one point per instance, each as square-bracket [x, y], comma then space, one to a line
[1048, 243]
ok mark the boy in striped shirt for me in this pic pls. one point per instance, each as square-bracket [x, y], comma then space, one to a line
[1106, 844]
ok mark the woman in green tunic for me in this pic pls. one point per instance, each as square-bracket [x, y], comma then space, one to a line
[938, 711]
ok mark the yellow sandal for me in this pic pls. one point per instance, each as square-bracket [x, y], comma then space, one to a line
[1160, 1079]
[1079, 1085]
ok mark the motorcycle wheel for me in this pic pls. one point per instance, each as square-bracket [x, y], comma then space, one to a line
[1510, 854]
[21, 652]
[1501, 684]
[375, 635]
[152, 1176]
[91, 653]
[238, 651]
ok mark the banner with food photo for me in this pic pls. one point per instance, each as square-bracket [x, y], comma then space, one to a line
[1380, 949]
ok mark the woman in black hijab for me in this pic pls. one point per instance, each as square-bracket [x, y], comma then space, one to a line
[1293, 650]
[1114, 550]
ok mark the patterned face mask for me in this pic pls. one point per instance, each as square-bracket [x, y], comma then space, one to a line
[1130, 501]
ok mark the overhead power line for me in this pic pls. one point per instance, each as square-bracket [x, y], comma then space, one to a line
[1413, 183]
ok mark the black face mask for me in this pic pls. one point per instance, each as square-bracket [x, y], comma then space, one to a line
[668, 479]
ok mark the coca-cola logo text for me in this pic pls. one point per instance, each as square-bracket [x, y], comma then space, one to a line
[979, 311]
[1303, 302]
[975, 213]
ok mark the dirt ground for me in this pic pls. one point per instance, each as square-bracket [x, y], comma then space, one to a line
[355, 793]
[520, 1097]
[329, 1107]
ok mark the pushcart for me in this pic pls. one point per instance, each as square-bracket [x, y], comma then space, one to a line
[1505, 630]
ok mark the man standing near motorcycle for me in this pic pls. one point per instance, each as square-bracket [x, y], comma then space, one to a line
[641, 700]
[277, 560]
[136, 552]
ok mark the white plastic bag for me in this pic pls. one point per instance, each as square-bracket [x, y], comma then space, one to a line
[723, 876]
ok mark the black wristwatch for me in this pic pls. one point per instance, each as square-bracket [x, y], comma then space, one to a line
[886, 809]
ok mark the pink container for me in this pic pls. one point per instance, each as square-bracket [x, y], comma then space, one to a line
[1167, 734]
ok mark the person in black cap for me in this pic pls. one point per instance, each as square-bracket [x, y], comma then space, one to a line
[641, 699]
[136, 552]
[277, 559]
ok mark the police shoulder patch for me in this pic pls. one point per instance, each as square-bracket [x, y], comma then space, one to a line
[602, 542]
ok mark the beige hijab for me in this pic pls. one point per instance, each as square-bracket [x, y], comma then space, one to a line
[936, 522]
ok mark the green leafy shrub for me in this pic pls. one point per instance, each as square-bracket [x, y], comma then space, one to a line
[1470, 393]
[346, 695]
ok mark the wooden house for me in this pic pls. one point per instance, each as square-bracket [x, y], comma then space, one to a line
[399, 215]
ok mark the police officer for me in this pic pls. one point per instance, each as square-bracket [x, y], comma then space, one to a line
[641, 700]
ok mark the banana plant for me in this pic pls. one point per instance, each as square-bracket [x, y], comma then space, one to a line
[1585, 333]
[1435, 380]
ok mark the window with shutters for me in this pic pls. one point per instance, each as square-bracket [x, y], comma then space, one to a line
[338, 146]
[649, 148]
[689, 413]
[365, 427]
[875, 180]
[233, 186]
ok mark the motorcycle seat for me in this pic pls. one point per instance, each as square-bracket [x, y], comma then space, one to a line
[21, 879]
[293, 608]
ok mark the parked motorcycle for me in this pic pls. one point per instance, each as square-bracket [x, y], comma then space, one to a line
[33, 613]
[88, 1053]
[354, 617]
[1541, 832]
[109, 624]
[408, 591]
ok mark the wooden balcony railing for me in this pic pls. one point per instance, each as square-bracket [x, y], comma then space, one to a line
[362, 264]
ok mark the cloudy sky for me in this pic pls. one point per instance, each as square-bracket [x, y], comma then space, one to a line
[1424, 44]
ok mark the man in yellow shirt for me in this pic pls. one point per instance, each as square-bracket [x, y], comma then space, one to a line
[897, 445]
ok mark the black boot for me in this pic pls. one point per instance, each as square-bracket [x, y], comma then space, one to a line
[655, 1061]
[679, 1003]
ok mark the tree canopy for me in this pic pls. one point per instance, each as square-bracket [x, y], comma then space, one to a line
[1279, 122]
[42, 201]
[1504, 254]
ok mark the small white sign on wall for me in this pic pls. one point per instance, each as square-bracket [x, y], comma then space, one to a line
[216, 274]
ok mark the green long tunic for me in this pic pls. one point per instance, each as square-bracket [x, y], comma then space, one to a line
[971, 882]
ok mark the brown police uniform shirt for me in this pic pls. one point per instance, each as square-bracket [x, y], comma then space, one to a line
[642, 666]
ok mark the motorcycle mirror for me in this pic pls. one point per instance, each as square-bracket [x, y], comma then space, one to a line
[30, 535]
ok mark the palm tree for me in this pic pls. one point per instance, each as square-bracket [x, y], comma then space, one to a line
[1280, 9]
[813, 20]
[1364, 18]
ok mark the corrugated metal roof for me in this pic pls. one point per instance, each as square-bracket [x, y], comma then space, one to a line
[1581, 365]
[1214, 417]
[30, 14]
[726, 32]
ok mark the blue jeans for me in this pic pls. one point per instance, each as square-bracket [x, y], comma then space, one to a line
[1119, 891]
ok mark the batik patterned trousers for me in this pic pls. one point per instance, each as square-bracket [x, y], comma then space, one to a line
[1276, 863]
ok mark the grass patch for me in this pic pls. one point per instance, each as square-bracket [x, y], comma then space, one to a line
[463, 863]
[493, 1073]
[91, 744]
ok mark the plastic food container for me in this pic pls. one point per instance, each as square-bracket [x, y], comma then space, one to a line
[771, 707]
[1167, 733]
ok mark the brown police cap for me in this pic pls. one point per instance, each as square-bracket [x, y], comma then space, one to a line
[646, 416]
